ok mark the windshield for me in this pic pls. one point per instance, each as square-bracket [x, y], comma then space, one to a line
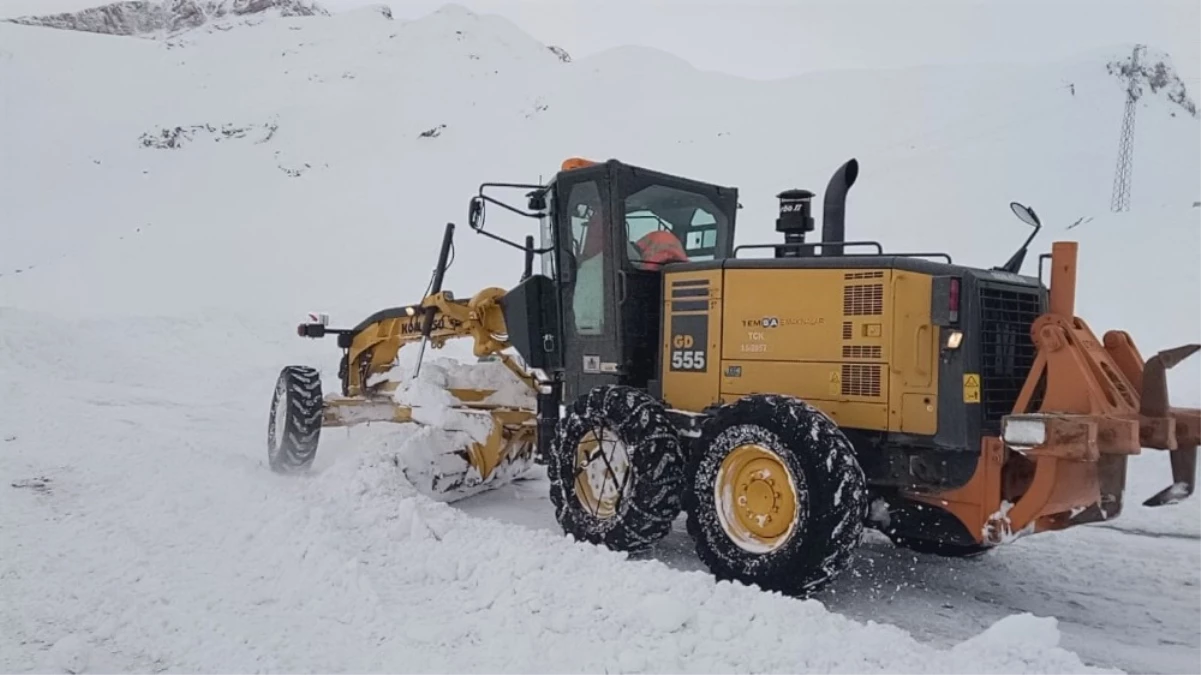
[667, 224]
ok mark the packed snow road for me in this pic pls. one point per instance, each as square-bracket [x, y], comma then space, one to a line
[143, 532]
[1124, 599]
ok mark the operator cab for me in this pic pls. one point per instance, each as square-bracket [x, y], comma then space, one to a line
[594, 310]
[609, 268]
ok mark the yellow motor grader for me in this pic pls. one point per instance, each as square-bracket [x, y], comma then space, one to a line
[782, 402]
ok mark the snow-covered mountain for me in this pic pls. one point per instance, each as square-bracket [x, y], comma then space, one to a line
[155, 18]
[171, 207]
[357, 136]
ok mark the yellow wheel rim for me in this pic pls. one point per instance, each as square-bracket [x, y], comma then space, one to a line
[756, 498]
[602, 473]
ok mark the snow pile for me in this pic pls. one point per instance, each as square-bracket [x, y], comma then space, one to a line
[476, 584]
[438, 373]
[166, 18]
[164, 544]
[434, 456]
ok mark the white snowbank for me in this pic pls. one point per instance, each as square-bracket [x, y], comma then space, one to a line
[162, 543]
[478, 583]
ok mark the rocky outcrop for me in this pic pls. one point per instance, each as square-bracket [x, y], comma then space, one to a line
[561, 53]
[166, 17]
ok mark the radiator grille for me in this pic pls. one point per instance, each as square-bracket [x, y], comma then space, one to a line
[863, 300]
[862, 351]
[864, 275]
[1006, 350]
[848, 330]
[860, 380]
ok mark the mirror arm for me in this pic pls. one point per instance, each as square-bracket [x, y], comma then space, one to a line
[536, 251]
[527, 214]
[1014, 264]
[501, 239]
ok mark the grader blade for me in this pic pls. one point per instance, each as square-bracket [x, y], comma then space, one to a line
[1181, 428]
[458, 450]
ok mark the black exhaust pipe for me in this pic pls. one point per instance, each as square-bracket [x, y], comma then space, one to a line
[834, 207]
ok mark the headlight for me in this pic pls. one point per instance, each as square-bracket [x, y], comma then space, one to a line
[1024, 431]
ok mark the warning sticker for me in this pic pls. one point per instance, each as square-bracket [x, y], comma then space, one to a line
[835, 382]
[971, 388]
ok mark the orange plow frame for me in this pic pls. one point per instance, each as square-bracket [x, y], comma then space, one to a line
[1097, 403]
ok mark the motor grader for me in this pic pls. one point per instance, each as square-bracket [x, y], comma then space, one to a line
[782, 402]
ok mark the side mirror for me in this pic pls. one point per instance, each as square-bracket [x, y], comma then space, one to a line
[1028, 216]
[1025, 214]
[475, 214]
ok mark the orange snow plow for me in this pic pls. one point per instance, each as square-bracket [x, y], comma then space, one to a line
[1086, 406]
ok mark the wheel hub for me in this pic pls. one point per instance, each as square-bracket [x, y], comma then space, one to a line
[757, 498]
[602, 473]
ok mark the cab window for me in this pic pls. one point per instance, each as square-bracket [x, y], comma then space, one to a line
[667, 224]
[586, 223]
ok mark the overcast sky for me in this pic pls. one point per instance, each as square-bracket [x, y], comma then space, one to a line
[779, 38]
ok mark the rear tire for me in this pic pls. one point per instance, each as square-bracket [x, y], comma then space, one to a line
[616, 469]
[294, 427]
[776, 497]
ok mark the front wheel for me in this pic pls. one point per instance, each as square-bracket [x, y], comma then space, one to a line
[616, 469]
[776, 495]
[294, 426]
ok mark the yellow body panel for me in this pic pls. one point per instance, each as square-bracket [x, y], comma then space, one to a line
[857, 343]
[913, 388]
[692, 310]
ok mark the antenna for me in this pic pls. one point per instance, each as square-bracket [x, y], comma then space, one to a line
[1123, 173]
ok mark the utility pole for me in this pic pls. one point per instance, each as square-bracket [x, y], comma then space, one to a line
[1122, 175]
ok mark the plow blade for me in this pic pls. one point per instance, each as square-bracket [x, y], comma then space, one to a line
[1086, 407]
[1184, 479]
[457, 451]
[1179, 429]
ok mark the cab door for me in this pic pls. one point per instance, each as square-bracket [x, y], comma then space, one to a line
[588, 264]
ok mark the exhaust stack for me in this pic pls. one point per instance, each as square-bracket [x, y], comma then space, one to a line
[835, 207]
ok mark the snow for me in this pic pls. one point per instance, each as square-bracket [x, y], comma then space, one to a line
[439, 373]
[148, 298]
[208, 562]
[1024, 432]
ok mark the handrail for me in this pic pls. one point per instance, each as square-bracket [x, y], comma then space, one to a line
[880, 252]
[801, 245]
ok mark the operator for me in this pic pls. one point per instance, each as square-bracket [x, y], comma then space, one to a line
[659, 248]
